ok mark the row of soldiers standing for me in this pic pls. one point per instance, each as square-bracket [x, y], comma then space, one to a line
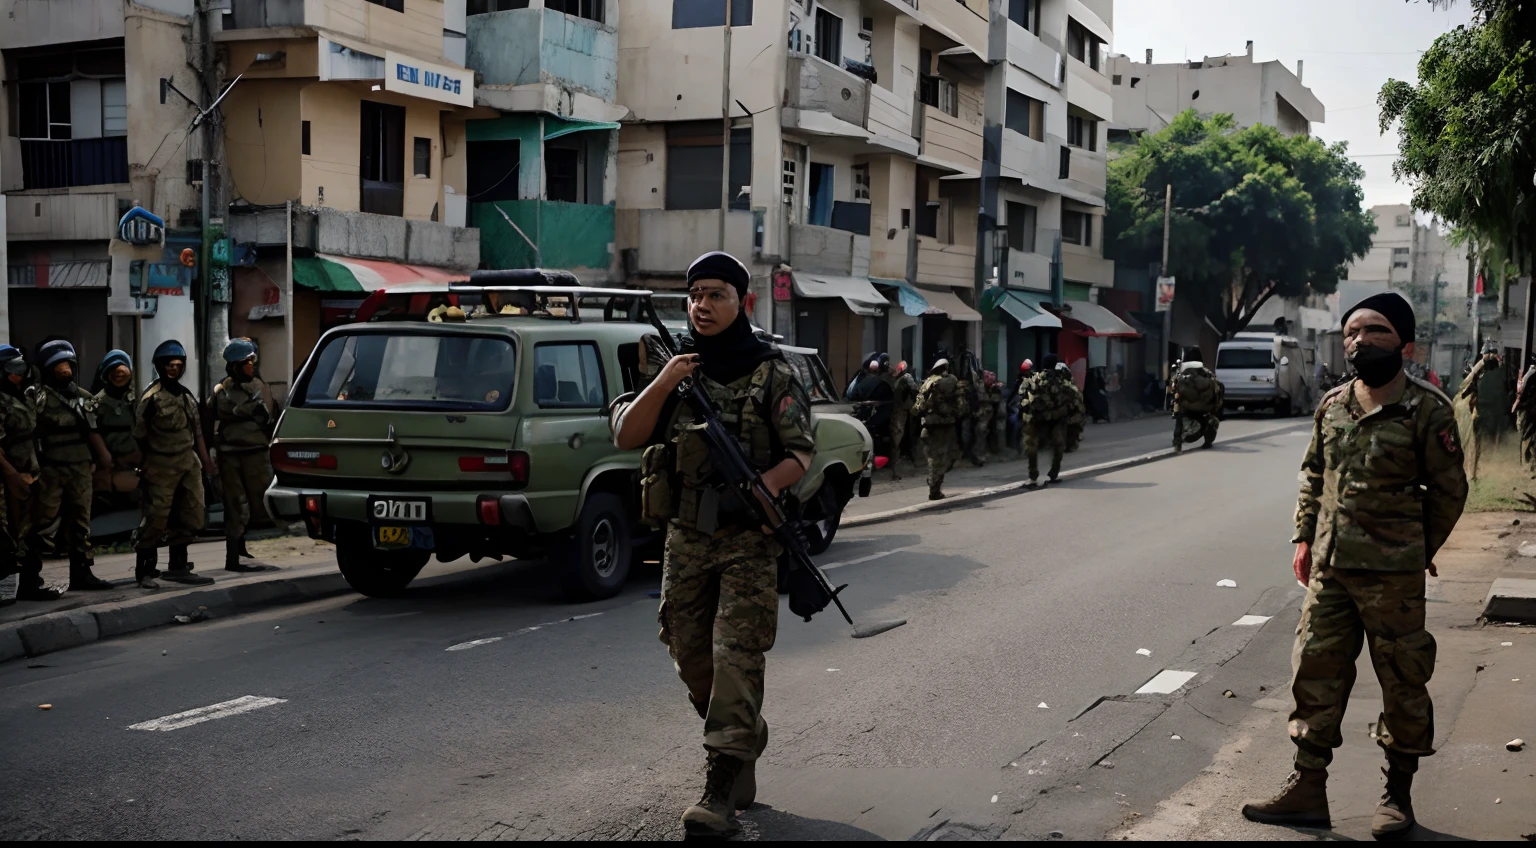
[62, 443]
[885, 399]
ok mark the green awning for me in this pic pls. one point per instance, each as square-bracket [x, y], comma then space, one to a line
[1029, 315]
[320, 275]
[556, 127]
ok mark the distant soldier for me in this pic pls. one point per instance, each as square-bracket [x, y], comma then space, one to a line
[1015, 421]
[984, 416]
[68, 442]
[1474, 431]
[1197, 400]
[942, 406]
[242, 430]
[904, 391]
[167, 428]
[115, 401]
[1382, 487]
[1525, 417]
[19, 405]
[1077, 408]
[1045, 405]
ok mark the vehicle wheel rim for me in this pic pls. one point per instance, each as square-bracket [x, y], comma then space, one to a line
[604, 548]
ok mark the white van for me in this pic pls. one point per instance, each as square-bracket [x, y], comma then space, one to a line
[1264, 371]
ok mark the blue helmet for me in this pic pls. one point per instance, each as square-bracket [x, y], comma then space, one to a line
[239, 350]
[169, 349]
[12, 361]
[54, 352]
[9, 352]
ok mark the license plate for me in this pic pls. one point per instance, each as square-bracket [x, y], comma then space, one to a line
[394, 537]
[400, 510]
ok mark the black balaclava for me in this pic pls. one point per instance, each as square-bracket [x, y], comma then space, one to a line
[1378, 366]
[736, 351]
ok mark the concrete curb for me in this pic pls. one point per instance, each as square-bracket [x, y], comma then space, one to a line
[57, 631]
[1017, 486]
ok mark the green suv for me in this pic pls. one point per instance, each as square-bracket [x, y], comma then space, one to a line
[483, 431]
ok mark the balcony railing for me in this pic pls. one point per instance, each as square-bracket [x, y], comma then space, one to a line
[816, 86]
[828, 251]
[81, 162]
[945, 264]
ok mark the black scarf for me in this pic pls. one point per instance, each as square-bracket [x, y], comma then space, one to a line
[731, 354]
[173, 386]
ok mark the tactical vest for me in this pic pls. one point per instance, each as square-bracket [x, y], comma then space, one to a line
[114, 418]
[1197, 391]
[1049, 397]
[940, 398]
[744, 411]
[20, 414]
[63, 424]
[241, 414]
[169, 422]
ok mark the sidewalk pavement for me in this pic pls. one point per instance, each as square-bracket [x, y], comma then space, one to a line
[1484, 690]
[1105, 447]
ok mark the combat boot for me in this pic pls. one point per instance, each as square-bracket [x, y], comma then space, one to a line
[1395, 812]
[145, 568]
[713, 816]
[934, 494]
[180, 570]
[80, 577]
[232, 554]
[1302, 802]
[745, 791]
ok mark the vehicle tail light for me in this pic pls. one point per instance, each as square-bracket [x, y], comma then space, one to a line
[312, 511]
[489, 509]
[297, 458]
[513, 463]
[517, 465]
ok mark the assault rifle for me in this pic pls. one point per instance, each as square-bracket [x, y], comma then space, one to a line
[809, 590]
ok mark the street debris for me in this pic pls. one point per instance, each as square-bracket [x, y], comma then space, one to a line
[1515, 745]
[277, 627]
[1498, 800]
[1232, 584]
[162, 653]
[200, 614]
[1144, 652]
[1527, 549]
[1176, 737]
[834, 669]
[1055, 834]
[45, 706]
[1228, 694]
[1042, 706]
[1506, 644]
[994, 799]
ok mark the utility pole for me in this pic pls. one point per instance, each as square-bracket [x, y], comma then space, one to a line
[725, 119]
[1163, 272]
[217, 285]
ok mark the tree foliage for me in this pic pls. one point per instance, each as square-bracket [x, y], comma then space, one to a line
[1256, 214]
[1467, 131]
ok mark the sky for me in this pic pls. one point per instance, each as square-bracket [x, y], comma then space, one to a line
[1350, 47]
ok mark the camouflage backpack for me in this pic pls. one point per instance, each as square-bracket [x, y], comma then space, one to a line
[940, 400]
[1197, 391]
[1049, 398]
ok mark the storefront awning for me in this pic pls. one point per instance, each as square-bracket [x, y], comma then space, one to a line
[946, 302]
[556, 127]
[1094, 321]
[339, 274]
[861, 297]
[912, 301]
[1029, 316]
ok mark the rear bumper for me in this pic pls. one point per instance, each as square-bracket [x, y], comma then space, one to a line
[458, 508]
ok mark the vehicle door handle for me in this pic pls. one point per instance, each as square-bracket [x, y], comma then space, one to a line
[574, 442]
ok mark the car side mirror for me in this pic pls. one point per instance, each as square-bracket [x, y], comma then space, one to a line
[1284, 361]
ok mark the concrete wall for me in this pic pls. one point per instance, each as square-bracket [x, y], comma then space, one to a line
[261, 120]
[528, 131]
[892, 180]
[417, 31]
[156, 46]
[829, 251]
[1232, 85]
[817, 86]
[524, 46]
[670, 239]
[642, 182]
[34, 23]
[386, 237]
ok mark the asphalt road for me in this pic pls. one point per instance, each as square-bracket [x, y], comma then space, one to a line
[560, 721]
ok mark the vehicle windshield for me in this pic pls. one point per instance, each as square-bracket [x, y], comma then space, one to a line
[1245, 357]
[813, 375]
[413, 370]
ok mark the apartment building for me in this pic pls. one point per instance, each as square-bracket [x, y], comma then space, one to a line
[1147, 96]
[86, 137]
[354, 111]
[543, 169]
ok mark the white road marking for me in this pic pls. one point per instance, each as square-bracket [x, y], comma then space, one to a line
[1144, 652]
[1166, 682]
[464, 646]
[243, 704]
[856, 561]
[1251, 620]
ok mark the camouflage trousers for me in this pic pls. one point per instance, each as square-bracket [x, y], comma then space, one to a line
[1191, 427]
[171, 506]
[719, 615]
[1526, 422]
[899, 420]
[1344, 610]
[246, 477]
[1053, 434]
[942, 445]
[23, 554]
[981, 439]
[64, 493]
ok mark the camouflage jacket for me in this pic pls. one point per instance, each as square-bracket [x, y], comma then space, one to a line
[65, 421]
[1381, 490]
[166, 422]
[986, 407]
[1049, 396]
[18, 428]
[1197, 391]
[905, 390]
[115, 415]
[941, 402]
[241, 417]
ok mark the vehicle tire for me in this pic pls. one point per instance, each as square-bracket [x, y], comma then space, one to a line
[597, 558]
[1282, 407]
[376, 573]
[820, 531]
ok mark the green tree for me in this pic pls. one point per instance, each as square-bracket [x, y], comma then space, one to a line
[1256, 214]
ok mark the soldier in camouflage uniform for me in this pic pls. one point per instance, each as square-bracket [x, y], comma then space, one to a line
[941, 404]
[983, 417]
[1077, 408]
[1197, 400]
[19, 404]
[242, 430]
[1525, 417]
[115, 401]
[68, 442]
[1045, 407]
[719, 595]
[171, 480]
[1382, 487]
[1475, 433]
[905, 391]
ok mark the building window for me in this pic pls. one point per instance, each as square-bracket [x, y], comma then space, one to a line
[1066, 163]
[481, 7]
[791, 167]
[382, 158]
[1082, 132]
[861, 182]
[1399, 257]
[304, 137]
[1025, 13]
[1082, 45]
[1114, 80]
[397, 5]
[592, 10]
[694, 153]
[1022, 219]
[563, 173]
[936, 91]
[1405, 220]
[492, 168]
[71, 112]
[421, 157]
[1025, 115]
[691, 14]
[829, 37]
[1077, 228]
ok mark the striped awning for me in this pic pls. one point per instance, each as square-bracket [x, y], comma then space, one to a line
[325, 273]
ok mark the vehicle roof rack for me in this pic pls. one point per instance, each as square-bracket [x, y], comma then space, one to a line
[554, 294]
